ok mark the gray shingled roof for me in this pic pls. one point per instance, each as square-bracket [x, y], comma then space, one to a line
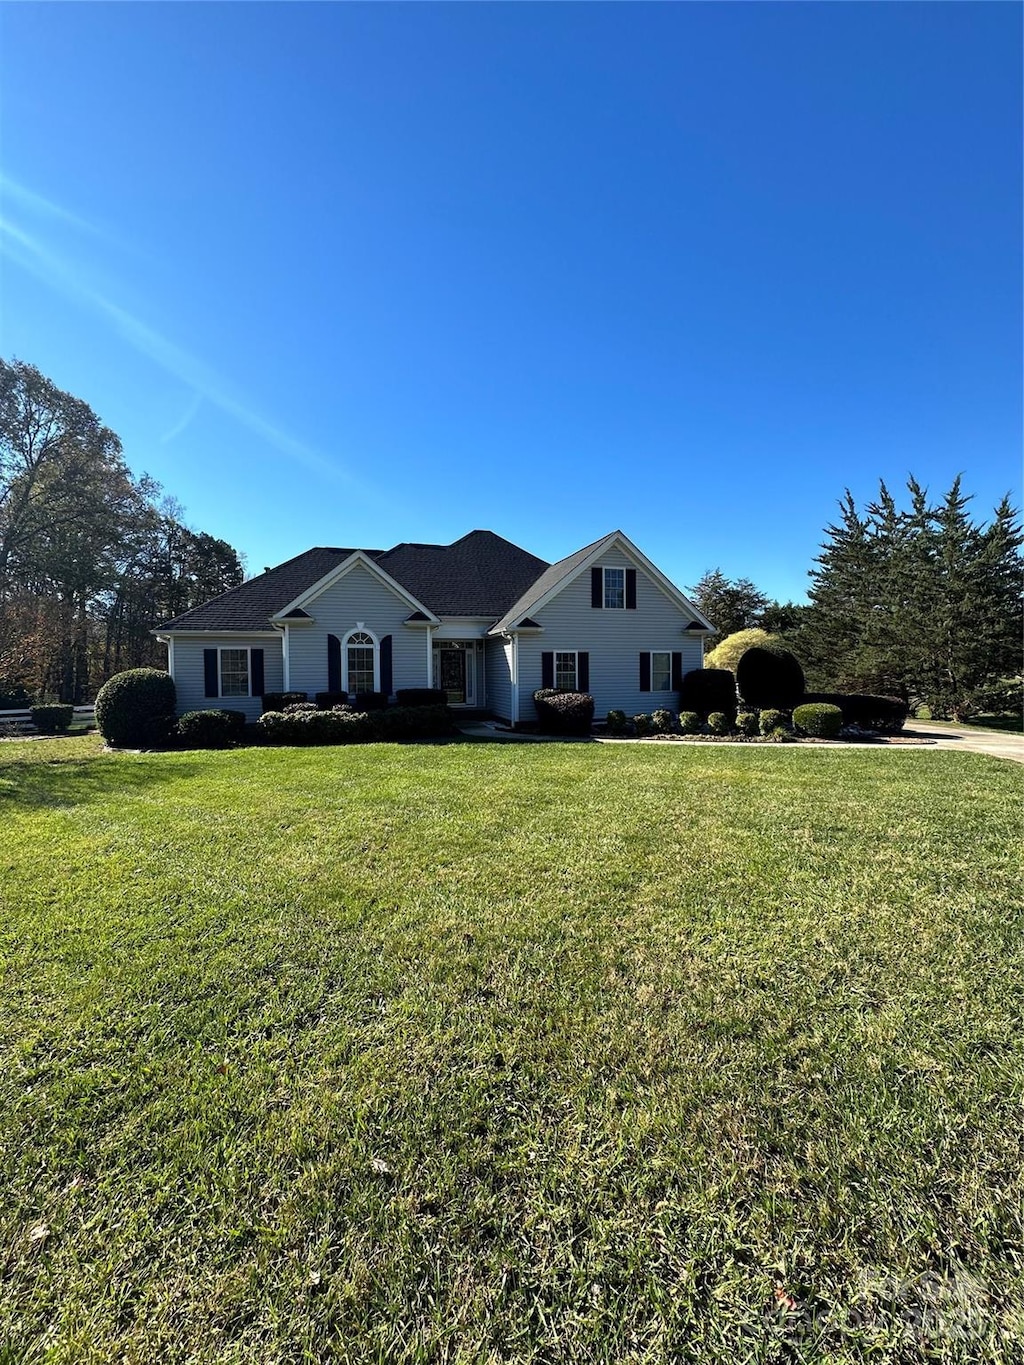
[547, 580]
[478, 575]
[251, 605]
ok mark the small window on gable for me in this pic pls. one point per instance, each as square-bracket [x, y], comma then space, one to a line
[565, 670]
[615, 587]
[234, 672]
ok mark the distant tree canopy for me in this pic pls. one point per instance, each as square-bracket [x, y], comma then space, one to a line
[90, 558]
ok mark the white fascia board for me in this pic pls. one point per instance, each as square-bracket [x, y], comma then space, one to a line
[345, 567]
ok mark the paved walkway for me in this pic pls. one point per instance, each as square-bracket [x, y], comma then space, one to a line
[961, 737]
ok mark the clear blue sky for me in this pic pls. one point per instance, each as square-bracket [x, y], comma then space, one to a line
[359, 274]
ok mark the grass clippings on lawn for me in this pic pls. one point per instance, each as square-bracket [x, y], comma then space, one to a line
[499, 1053]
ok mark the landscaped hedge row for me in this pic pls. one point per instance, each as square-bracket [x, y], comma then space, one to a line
[304, 724]
[51, 719]
[564, 713]
[277, 701]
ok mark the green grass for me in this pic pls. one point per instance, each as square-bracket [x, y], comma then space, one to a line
[541, 1053]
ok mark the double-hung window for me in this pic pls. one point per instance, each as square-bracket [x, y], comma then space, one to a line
[615, 587]
[661, 671]
[566, 670]
[234, 672]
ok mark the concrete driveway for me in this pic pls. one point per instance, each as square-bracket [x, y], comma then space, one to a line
[991, 742]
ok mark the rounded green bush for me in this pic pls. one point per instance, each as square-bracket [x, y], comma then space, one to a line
[212, 729]
[663, 722]
[135, 709]
[641, 724]
[617, 723]
[689, 723]
[708, 689]
[772, 721]
[819, 719]
[51, 719]
[719, 723]
[769, 675]
[747, 723]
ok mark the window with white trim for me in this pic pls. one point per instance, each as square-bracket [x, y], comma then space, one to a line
[360, 661]
[615, 587]
[661, 671]
[234, 672]
[566, 669]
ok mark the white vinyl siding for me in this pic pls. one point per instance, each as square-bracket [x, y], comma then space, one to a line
[189, 671]
[614, 640]
[498, 665]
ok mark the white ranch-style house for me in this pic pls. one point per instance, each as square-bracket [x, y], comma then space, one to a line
[482, 619]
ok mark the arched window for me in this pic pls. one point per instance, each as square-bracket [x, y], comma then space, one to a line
[360, 660]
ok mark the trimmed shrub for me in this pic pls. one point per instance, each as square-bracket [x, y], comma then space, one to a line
[277, 701]
[213, 729]
[135, 709]
[747, 723]
[297, 708]
[708, 689]
[728, 652]
[617, 723]
[769, 676]
[370, 701]
[421, 696]
[883, 715]
[564, 713]
[327, 701]
[310, 726]
[52, 719]
[641, 724]
[774, 721]
[819, 719]
[689, 723]
[719, 723]
[663, 722]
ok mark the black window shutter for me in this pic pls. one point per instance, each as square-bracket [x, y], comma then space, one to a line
[210, 672]
[596, 587]
[677, 671]
[645, 672]
[631, 589]
[583, 671]
[333, 664]
[385, 666]
[256, 683]
[547, 668]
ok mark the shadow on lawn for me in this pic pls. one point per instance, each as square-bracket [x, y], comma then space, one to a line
[76, 781]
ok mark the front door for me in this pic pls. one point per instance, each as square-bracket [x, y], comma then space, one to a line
[453, 674]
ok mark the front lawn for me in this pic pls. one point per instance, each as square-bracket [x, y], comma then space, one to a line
[469, 1053]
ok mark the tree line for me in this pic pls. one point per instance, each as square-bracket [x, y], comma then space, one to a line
[919, 601]
[91, 557]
